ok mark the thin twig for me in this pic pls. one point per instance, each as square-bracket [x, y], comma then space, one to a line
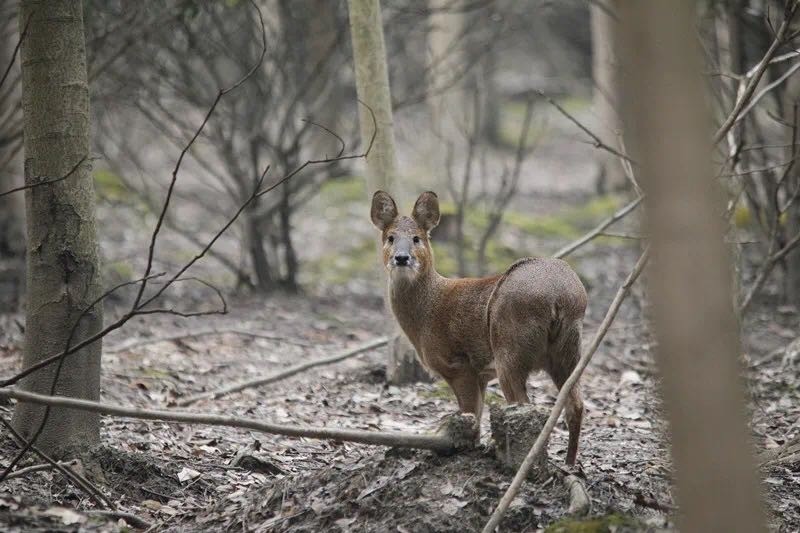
[78, 480]
[561, 400]
[222, 92]
[438, 442]
[36, 183]
[134, 343]
[765, 270]
[283, 374]
[131, 519]
[35, 468]
[596, 141]
[755, 74]
[16, 48]
[599, 229]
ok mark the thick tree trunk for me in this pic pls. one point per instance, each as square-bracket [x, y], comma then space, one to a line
[698, 349]
[372, 85]
[605, 72]
[63, 265]
[12, 234]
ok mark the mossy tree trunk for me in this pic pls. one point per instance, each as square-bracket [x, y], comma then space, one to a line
[63, 274]
[698, 347]
[372, 85]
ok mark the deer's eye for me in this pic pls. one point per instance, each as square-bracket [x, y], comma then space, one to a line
[416, 239]
[390, 239]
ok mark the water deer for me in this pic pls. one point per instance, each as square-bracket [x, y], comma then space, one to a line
[470, 330]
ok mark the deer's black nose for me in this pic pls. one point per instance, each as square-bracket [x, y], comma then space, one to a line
[401, 260]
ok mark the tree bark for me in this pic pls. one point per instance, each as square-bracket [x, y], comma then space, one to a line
[372, 85]
[698, 350]
[605, 73]
[63, 269]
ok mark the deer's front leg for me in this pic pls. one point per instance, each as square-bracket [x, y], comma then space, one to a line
[468, 387]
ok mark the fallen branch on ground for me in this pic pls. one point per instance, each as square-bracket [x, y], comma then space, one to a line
[131, 519]
[441, 443]
[36, 468]
[541, 440]
[598, 230]
[131, 344]
[283, 374]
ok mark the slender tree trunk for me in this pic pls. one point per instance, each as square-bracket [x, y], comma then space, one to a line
[698, 349]
[63, 263]
[290, 256]
[255, 246]
[372, 85]
[605, 72]
[12, 234]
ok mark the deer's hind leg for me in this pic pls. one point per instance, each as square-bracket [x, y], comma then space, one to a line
[515, 358]
[563, 358]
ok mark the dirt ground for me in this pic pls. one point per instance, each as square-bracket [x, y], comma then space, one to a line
[181, 478]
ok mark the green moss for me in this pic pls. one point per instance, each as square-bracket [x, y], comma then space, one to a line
[441, 390]
[345, 189]
[339, 268]
[742, 216]
[120, 270]
[603, 524]
[109, 186]
[547, 226]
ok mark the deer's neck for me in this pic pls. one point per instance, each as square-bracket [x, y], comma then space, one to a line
[413, 302]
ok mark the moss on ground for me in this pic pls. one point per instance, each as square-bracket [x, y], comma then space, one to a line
[343, 194]
[610, 523]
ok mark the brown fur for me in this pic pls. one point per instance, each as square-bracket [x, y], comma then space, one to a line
[470, 330]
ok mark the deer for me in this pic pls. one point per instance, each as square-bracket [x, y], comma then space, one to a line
[471, 330]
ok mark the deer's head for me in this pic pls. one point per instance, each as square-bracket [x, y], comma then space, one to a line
[407, 252]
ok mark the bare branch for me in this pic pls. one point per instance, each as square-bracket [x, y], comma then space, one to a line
[599, 229]
[596, 141]
[435, 442]
[283, 374]
[754, 75]
[16, 48]
[37, 183]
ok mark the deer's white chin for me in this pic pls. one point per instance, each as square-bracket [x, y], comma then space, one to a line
[402, 274]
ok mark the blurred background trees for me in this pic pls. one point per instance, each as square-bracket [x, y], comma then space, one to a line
[468, 122]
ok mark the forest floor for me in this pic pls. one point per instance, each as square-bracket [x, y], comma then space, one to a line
[181, 478]
[200, 478]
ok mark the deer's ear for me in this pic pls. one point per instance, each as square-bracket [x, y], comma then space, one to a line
[426, 211]
[384, 210]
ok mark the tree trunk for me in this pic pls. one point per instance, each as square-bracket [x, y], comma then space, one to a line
[605, 72]
[289, 281]
[63, 265]
[12, 237]
[254, 237]
[698, 350]
[372, 85]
